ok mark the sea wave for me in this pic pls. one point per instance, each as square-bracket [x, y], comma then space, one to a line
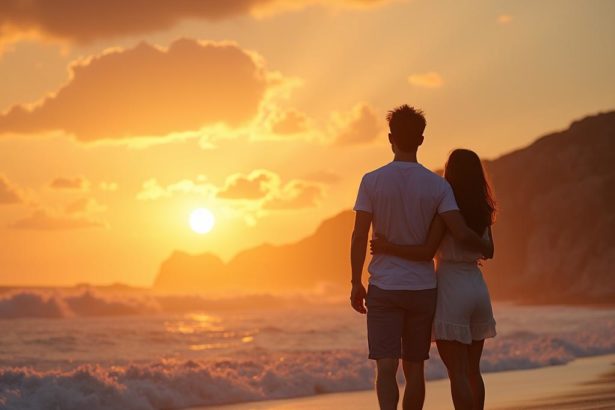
[59, 304]
[90, 302]
[252, 353]
[174, 384]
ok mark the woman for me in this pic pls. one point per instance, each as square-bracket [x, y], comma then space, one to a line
[464, 317]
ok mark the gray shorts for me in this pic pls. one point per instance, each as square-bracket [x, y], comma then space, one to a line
[399, 323]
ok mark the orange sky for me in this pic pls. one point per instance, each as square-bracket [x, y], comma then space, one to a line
[117, 120]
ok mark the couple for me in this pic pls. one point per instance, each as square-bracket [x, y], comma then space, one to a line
[415, 215]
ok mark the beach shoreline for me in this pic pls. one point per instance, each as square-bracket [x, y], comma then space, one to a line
[585, 383]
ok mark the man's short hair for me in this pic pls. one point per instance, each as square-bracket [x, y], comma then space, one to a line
[406, 125]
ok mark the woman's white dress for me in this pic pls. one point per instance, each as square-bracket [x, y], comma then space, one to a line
[463, 310]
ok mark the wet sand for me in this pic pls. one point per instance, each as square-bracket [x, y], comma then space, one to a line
[596, 394]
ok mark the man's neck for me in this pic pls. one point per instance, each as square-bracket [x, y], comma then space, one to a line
[405, 156]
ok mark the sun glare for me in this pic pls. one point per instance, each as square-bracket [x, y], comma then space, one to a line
[202, 220]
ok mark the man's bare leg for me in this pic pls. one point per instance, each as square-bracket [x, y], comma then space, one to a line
[386, 383]
[414, 393]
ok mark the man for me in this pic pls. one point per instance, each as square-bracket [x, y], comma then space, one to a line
[401, 199]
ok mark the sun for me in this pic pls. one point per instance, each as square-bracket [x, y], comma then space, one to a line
[202, 220]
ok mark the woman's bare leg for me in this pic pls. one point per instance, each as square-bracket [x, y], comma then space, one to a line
[475, 350]
[455, 358]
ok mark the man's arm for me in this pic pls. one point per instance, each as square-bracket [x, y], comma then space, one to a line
[358, 249]
[459, 229]
[423, 252]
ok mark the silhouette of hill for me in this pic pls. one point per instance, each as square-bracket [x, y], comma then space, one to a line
[183, 272]
[319, 258]
[555, 234]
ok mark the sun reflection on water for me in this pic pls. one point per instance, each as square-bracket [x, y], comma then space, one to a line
[207, 332]
[195, 323]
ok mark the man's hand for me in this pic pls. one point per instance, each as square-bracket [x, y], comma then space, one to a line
[457, 226]
[358, 246]
[379, 245]
[357, 297]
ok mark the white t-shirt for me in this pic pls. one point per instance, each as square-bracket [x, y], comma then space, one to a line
[403, 198]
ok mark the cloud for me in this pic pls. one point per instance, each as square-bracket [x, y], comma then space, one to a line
[289, 122]
[84, 21]
[360, 126]
[296, 194]
[76, 183]
[426, 80]
[108, 186]
[253, 192]
[153, 190]
[268, 191]
[252, 186]
[9, 194]
[504, 18]
[84, 206]
[44, 221]
[150, 91]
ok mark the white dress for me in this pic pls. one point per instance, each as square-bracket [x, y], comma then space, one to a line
[463, 310]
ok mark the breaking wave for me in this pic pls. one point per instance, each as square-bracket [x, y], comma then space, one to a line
[168, 384]
[57, 304]
[90, 302]
[172, 385]
[141, 351]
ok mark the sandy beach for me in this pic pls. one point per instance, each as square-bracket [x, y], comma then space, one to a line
[587, 383]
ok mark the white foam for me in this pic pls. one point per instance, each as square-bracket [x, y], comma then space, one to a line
[164, 384]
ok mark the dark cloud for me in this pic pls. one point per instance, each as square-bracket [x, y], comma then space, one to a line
[76, 183]
[149, 91]
[83, 21]
[84, 206]
[44, 221]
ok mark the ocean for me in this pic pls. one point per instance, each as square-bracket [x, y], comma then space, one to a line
[101, 350]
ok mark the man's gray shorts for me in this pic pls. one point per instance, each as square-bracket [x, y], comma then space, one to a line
[399, 323]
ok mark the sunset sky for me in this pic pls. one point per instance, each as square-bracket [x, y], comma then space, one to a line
[119, 118]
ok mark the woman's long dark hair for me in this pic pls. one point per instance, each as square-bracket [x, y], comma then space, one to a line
[465, 173]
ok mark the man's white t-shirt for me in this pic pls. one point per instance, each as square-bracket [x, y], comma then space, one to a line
[403, 198]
